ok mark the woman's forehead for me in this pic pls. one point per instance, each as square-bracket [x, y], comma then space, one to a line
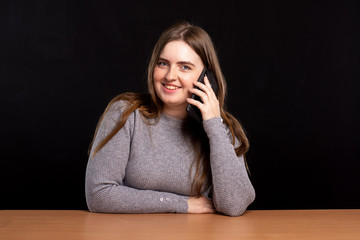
[179, 51]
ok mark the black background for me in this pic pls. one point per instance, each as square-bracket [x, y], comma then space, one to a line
[293, 75]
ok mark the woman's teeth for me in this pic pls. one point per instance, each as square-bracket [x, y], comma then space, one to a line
[170, 87]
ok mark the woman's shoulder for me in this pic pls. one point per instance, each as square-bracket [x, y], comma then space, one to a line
[124, 101]
[127, 105]
[115, 108]
[118, 106]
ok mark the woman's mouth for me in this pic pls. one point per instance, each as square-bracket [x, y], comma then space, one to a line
[170, 87]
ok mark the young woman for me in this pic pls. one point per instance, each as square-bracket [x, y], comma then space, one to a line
[149, 156]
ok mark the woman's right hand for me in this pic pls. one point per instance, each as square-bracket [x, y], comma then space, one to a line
[200, 205]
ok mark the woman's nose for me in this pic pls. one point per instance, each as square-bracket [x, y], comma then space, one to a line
[171, 75]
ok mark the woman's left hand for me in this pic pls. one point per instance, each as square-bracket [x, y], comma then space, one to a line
[209, 107]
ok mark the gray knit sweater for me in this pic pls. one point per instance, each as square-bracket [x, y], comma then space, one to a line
[145, 168]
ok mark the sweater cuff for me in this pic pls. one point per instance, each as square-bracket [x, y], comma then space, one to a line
[181, 203]
[169, 202]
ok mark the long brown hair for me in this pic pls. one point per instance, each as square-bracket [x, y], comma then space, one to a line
[151, 106]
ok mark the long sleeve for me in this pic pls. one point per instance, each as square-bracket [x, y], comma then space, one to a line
[232, 189]
[106, 170]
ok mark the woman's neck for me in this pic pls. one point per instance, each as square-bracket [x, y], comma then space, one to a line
[179, 113]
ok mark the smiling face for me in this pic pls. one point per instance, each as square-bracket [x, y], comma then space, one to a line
[177, 69]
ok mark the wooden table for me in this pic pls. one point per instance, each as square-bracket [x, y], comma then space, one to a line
[255, 224]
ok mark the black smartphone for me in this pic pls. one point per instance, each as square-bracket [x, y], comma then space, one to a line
[193, 110]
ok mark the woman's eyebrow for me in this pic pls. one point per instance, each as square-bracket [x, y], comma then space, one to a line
[186, 63]
[163, 59]
[180, 62]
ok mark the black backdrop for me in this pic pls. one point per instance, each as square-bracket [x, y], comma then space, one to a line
[292, 69]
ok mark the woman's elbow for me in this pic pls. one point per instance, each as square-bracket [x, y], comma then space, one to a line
[234, 206]
[93, 203]
[96, 202]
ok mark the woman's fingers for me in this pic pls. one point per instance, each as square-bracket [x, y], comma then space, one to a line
[209, 107]
[208, 84]
[200, 93]
[205, 87]
[204, 90]
[200, 205]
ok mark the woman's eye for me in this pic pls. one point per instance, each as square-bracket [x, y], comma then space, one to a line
[162, 64]
[185, 67]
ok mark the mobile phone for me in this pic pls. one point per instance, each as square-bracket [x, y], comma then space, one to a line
[192, 110]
